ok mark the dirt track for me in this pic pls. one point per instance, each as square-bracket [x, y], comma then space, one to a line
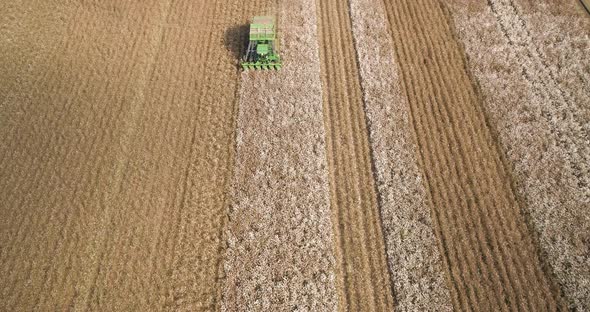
[415, 263]
[60, 169]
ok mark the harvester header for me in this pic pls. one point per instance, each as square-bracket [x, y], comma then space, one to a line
[262, 52]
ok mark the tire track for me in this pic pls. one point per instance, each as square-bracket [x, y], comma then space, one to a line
[127, 228]
[363, 279]
[491, 259]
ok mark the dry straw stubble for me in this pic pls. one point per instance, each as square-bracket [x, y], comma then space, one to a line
[364, 281]
[279, 232]
[491, 259]
[531, 60]
[415, 263]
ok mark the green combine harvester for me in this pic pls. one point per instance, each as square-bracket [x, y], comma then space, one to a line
[263, 51]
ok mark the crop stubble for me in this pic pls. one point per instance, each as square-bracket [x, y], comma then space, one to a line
[363, 278]
[53, 161]
[33, 34]
[531, 60]
[116, 162]
[415, 263]
[490, 257]
[118, 151]
[279, 232]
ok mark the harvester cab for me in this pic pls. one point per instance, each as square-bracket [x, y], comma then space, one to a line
[262, 52]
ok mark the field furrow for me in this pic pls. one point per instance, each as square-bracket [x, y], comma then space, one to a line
[533, 96]
[279, 232]
[492, 261]
[414, 260]
[363, 277]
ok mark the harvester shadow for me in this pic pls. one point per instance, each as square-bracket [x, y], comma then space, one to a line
[236, 41]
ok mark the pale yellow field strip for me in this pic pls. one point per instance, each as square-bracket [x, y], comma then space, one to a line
[532, 80]
[279, 255]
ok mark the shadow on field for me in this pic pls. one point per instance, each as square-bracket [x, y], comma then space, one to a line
[236, 40]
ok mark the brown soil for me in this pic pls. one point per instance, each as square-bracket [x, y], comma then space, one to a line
[531, 60]
[363, 280]
[279, 232]
[60, 163]
[33, 34]
[491, 260]
[117, 157]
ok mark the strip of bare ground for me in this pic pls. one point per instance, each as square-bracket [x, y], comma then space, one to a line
[120, 165]
[490, 256]
[279, 233]
[363, 278]
[543, 134]
[415, 263]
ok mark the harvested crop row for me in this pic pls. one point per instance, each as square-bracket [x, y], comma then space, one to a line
[129, 218]
[535, 104]
[54, 157]
[195, 235]
[174, 195]
[490, 256]
[415, 262]
[363, 278]
[279, 232]
[556, 32]
[551, 83]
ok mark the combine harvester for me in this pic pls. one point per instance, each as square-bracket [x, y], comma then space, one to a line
[263, 52]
